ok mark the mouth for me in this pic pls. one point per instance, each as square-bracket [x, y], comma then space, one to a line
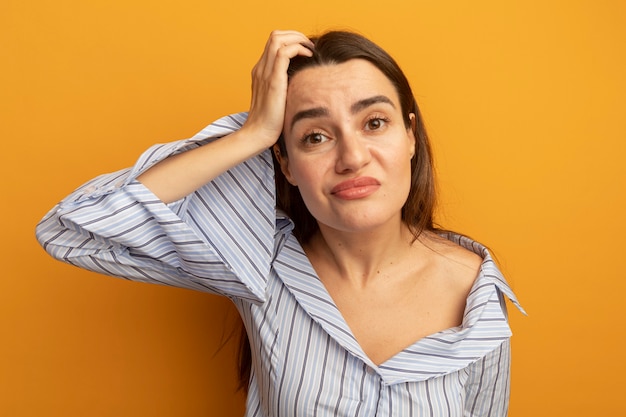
[355, 188]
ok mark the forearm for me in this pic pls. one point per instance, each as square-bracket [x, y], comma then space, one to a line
[117, 226]
[182, 174]
[130, 233]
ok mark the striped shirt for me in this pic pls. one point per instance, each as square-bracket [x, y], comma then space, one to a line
[228, 238]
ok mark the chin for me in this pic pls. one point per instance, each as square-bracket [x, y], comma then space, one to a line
[362, 223]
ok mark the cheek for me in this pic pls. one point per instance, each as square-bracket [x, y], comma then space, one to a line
[309, 178]
[308, 168]
[400, 170]
[305, 177]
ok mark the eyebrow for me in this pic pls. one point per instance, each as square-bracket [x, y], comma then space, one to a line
[309, 114]
[366, 102]
[355, 108]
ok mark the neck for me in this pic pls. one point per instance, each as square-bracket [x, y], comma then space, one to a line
[360, 258]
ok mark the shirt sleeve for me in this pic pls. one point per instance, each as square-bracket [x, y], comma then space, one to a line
[488, 386]
[218, 239]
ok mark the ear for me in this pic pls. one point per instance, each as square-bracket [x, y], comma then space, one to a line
[284, 164]
[411, 133]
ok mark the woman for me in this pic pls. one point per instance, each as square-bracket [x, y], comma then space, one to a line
[353, 302]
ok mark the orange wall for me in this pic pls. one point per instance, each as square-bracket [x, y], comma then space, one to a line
[525, 101]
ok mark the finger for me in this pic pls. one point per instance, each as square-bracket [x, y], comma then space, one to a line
[283, 39]
[287, 36]
[271, 74]
[269, 86]
[283, 56]
[279, 38]
[273, 79]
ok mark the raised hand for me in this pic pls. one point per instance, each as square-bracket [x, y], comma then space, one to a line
[269, 84]
[180, 175]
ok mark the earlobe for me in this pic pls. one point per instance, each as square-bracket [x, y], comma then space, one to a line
[284, 164]
[412, 133]
[276, 150]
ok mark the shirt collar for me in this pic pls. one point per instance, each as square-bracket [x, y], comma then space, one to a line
[483, 329]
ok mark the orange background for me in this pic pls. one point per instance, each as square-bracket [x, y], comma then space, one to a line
[525, 102]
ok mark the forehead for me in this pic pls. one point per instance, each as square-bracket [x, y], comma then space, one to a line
[337, 84]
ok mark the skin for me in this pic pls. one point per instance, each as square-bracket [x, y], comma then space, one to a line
[180, 175]
[353, 172]
[344, 127]
[353, 131]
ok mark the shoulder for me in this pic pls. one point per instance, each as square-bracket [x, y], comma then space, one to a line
[454, 248]
[456, 265]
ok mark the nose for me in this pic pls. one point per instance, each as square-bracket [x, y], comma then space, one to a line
[352, 154]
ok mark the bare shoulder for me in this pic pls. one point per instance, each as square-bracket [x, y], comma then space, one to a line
[455, 264]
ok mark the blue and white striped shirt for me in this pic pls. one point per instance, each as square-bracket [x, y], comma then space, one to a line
[228, 238]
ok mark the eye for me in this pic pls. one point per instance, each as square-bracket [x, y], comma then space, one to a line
[313, 138]
[375, 123]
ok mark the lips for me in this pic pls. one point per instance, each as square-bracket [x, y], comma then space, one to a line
[355, 188]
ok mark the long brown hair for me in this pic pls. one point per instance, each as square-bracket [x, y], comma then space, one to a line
[333, 48]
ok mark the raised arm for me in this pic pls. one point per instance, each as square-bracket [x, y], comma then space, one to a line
[197, 213]
[182, 174]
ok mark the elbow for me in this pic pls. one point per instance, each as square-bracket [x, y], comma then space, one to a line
[46, 239]
[48, 233]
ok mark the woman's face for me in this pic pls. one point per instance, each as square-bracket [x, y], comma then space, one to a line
[349, 152]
